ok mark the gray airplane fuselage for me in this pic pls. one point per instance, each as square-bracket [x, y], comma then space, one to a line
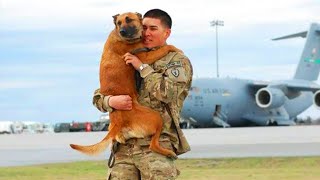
[237, 102]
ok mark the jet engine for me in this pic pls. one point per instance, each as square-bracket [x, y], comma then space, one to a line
[316, 99]
[270, 98]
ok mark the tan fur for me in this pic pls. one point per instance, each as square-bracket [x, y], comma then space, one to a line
[117, 78]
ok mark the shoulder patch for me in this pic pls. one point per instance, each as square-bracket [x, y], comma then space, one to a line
[175, 72]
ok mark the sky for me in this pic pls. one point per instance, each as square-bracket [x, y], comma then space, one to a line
[50, 49]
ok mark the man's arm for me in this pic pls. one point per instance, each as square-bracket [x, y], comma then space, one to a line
[168, 85]
[101, 102]
[108, 103]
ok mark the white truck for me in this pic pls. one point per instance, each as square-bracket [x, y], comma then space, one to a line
[6, 127]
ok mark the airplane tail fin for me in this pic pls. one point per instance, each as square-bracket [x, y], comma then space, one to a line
[309, 65]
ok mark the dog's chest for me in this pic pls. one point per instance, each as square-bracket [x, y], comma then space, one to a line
[114, 62]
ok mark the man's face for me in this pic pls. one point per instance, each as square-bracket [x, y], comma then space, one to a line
[154, 33]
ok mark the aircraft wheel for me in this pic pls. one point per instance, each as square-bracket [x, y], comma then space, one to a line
[190, 126]
[184, 125]
[273, 123]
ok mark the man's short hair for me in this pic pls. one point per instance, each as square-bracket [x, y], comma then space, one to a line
[159, 14]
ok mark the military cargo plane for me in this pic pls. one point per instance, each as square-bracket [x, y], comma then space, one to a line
[238, 102]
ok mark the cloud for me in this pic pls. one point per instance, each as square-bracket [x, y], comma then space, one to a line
[45, 70]
[17, 84]
[266, 72]
[192, 16]
[47, 14]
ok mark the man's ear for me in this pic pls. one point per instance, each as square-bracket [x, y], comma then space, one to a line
[167, 33]
[115, 18]
[139, 15]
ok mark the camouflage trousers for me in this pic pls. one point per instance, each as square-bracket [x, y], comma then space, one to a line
[134, 161]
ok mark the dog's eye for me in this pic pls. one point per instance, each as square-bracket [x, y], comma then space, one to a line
[119, 23]
[128, 20]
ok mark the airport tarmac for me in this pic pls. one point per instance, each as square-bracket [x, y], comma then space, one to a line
[29, 149]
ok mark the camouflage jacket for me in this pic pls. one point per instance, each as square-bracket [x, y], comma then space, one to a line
[164, 87]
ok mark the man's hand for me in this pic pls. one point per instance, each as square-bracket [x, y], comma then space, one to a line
[121, 102]
[133, 60]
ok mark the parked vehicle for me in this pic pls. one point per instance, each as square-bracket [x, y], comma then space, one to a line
[62, 127]
[48, 128]
[80, 126]
[17, 127]
[6, 127]
[102, 124]
[32, 127]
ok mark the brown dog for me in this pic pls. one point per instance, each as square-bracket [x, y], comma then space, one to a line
[117, 78]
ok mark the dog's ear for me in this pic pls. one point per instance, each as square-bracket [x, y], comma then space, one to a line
[115, 18]
[139, 15]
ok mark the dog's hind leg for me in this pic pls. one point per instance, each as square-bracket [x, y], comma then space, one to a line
[148, 122]
[155, 146]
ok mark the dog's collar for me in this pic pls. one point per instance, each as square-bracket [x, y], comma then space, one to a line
[144, 49]
[139, 50]
[133, 40]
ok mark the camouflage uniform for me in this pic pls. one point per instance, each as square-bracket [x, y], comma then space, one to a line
[164, 87]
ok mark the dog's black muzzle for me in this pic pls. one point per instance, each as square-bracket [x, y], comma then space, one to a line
[128, 32]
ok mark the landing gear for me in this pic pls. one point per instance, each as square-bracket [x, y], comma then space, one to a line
[218, 117]
[272, 122]
[188, 123]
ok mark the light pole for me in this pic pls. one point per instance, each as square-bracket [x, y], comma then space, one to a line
[217, 23]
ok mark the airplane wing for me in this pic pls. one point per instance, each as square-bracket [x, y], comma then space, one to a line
[303, 87]
[301, 34]
[295, 85]
[258, 84]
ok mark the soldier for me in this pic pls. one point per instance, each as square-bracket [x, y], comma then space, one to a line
[163, 87]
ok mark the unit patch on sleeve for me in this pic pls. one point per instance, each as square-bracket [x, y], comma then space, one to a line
[175, 72]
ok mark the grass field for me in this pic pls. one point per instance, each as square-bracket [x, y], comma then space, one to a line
[291, 168]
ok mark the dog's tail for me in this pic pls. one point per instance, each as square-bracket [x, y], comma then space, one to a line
[94, 149]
